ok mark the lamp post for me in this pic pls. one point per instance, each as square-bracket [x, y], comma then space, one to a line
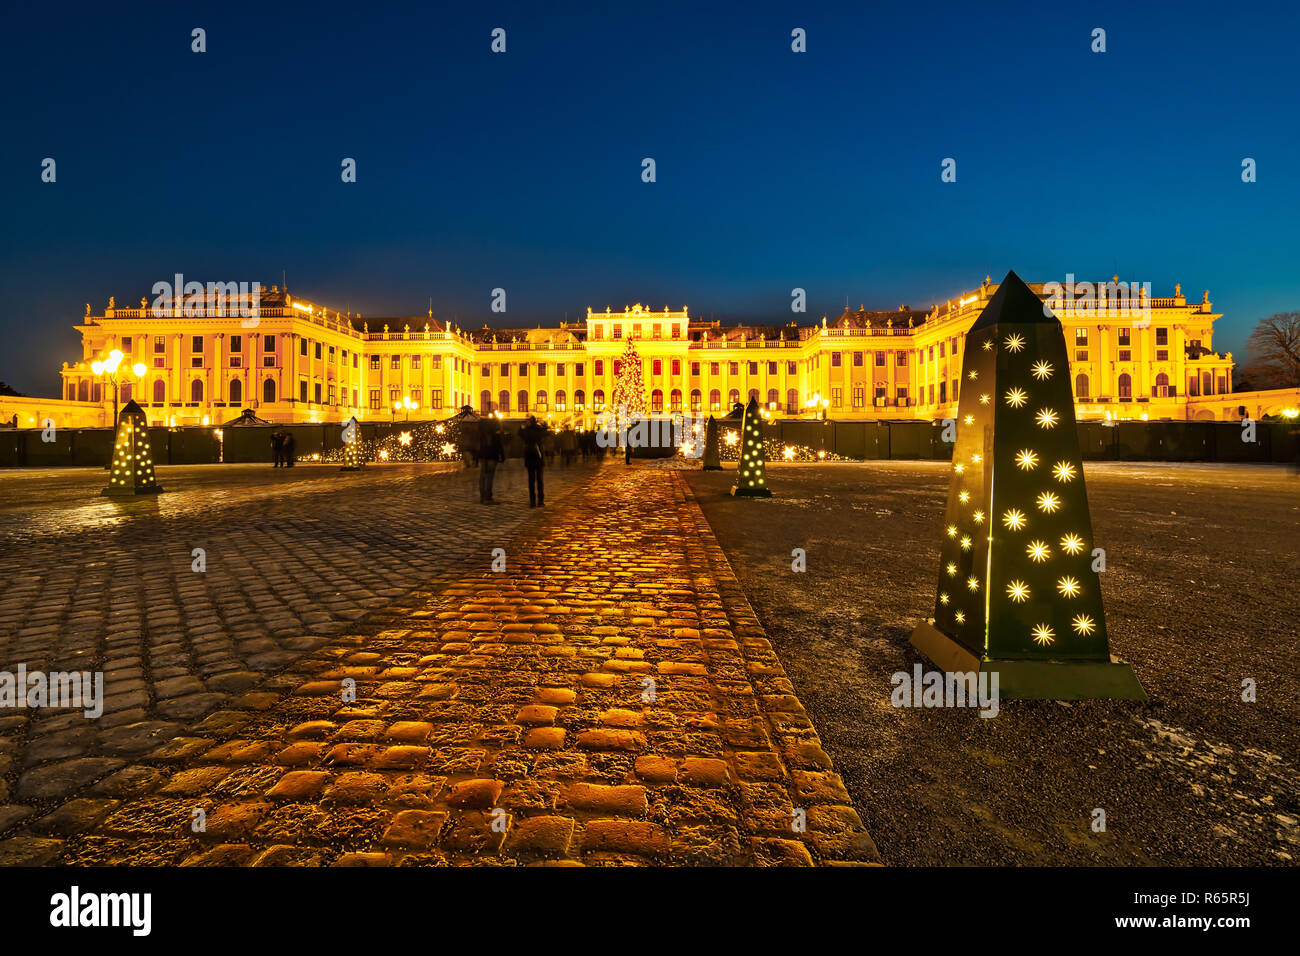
[110, 368]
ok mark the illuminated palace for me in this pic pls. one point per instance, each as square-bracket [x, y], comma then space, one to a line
[299, 361]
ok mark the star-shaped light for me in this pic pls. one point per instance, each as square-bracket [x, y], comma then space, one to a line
[1041, 370]
[973, 375]
[959, 468]
[1013, 519]
[943, 598]
[1026, 459]
[959, 617]
[1018, 591]
[1071, 544]
[1038, 551]
[1013, 343]
[1043, 635]
[988, 344]
[984, 399]
[952, 531]
[1048, 502]
[969, 420]
[963, 496]
[1068, 587]
[951, 569]
[1083, 625]
[404, 438]
[1063, 471]
[973, 583]
[976, 459]
[1046, 418]
[965, 542]
[448, 448]
[978, 517]
[731, 438]
[1016, 397]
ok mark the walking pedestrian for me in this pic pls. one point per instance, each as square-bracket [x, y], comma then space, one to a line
[290, 447]
[491, 452]
[568, 445]
[533, 436]
[277, 447]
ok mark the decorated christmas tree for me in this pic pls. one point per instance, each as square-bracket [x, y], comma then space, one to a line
[628, 399]
[353, 458]
[751, 477]
[1018, 593]
[131, 472]
[712, 447]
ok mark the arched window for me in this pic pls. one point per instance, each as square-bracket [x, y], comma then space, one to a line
[159, 392]
[1081, 386]
[656, 401]
[523, 402]
[675, 400]
[268, 390]
[503, 402]
[125, 393]
[773, 398]
[753, 393]
[560, 400]
[541, 401]
[598, 399]
[1161, 388]
[715, 400]
[733, 397]
[485, 402]
[792, 401]
[196, 390]
[579, 400]
[696, 398]
[1125, 385]
[236, 392]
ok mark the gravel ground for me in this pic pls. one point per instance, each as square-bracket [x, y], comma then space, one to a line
[1200, 594]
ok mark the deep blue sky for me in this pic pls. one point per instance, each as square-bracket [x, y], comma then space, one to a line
[522, 170]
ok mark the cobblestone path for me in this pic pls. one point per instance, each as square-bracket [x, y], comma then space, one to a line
[608, 697]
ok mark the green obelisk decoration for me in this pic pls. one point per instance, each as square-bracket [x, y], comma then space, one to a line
[751, 477]
[712, 449]
[131, 472]
[1017, 591]
[352, 457]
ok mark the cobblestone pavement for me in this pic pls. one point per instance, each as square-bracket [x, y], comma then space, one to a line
[609, 697]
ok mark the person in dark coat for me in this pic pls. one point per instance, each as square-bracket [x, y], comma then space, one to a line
[491, 452]
[277, 447]
[534, 439]
[290, 447]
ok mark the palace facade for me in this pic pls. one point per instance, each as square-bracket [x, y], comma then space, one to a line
[299, 361]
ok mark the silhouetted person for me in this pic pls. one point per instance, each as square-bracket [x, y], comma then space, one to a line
[290, 449]
[491, 452]
[568, 446]
[533, 436]
[277, 448]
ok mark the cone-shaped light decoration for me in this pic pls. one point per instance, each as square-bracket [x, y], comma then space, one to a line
[751, 477]
[1017, 590]
[131, 472]
[353, 460]
[712, 449]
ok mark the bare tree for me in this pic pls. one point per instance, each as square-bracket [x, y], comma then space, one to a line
[1273, 352]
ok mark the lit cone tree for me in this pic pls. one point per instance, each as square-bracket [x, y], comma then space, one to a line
[712, 446]
[353, 459]
[751, 476]
[628, 398]
[131, 472]
[1017, 590]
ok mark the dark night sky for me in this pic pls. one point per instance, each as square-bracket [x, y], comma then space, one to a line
[522, 170]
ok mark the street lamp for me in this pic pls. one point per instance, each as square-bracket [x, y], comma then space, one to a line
[110, 368]
[404, 403]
